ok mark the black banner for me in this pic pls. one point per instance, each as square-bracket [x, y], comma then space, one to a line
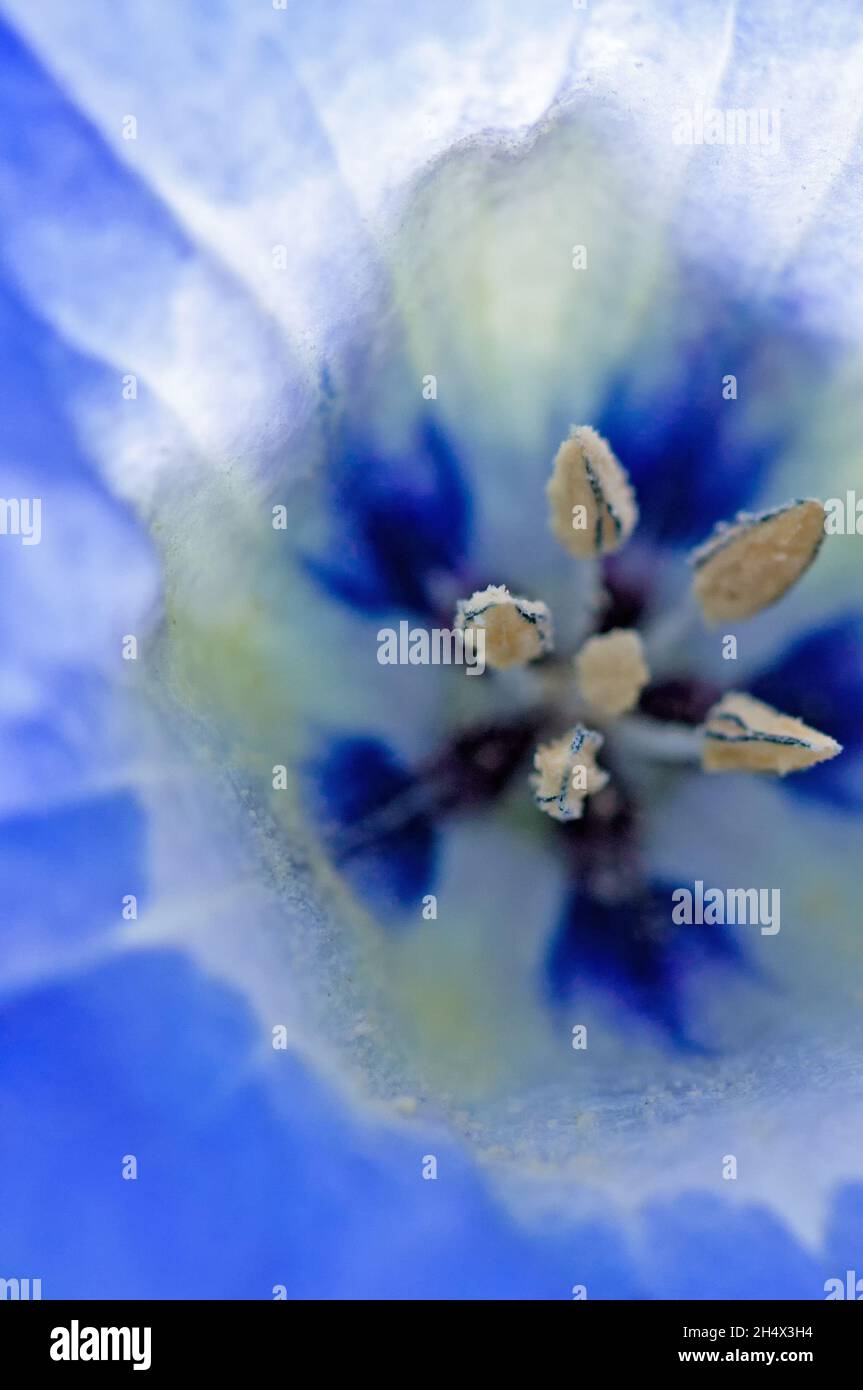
[80, 1339]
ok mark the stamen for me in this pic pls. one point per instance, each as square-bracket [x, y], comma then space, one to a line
[751, 562]
[593, 507]
[743, 734]
[612, 672]
[566, 773]
[516, 630]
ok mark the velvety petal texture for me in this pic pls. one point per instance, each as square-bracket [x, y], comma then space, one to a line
[298, 990]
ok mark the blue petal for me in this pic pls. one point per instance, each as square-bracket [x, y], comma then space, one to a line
[89, 581]
[128, 263]
[64, 874]
[38, 371]
[248, 1175]
[694, 457]
[83, 613]
[251, 1176]
[631, 950]
[390, 862]
[37, 116]
[398, 525]
[844, 1238]
[699, 1247]
[819, 678]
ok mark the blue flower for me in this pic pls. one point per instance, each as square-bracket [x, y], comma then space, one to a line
[292, 325]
